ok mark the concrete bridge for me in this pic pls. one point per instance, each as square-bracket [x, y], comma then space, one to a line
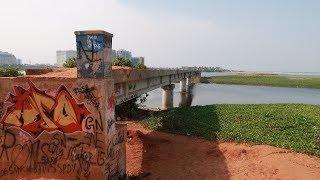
[133, 83]
[62, 125]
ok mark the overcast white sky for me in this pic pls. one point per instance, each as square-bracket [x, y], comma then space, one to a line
[262, 35]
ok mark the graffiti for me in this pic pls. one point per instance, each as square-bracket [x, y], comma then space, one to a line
[88, 94]
[1, 108]
[94, 56]
[34, 111]
[90, 47]
[111, 102]
[60, 153]
[132, 86]
[49, 134]
[118, 89]
[93, 125]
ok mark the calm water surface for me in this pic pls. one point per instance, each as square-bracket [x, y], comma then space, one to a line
[206, 94]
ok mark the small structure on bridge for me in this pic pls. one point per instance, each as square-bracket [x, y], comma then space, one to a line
[63, 126]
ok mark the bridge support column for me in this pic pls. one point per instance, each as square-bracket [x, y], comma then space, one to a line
[183, 99]
[167, 96]
[188, 81]
[183, 85]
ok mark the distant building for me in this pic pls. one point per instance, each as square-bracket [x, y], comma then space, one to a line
[122, 53]
[8, 59]
[137, 60]
[127, 55]
[62, 56]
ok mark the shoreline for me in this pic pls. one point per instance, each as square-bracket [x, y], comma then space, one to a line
[271, 80]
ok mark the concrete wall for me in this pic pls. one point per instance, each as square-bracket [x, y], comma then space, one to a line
[60, 128]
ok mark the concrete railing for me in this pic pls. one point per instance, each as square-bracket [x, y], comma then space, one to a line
[131, 83]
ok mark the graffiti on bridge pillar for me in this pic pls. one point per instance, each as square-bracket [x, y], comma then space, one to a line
[94, 51]
[59, 133]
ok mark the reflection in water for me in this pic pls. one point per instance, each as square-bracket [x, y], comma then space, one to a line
[206, 94]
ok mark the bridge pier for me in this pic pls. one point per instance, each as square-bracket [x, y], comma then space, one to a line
[183, 99]
[189, 83]
[167, 96]
[183, 85]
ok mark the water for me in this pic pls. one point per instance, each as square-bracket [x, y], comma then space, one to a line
[206, 94]
[209, 74]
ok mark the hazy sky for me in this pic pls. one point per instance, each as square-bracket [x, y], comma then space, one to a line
[264, 35]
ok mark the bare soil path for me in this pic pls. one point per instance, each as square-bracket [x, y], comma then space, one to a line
[157, 155]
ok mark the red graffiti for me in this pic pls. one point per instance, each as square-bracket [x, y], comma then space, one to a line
[34, 111]
[111, 102]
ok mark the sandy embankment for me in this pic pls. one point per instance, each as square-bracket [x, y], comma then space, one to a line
[156, 155]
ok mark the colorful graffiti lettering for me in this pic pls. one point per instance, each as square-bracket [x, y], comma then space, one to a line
[34, 111]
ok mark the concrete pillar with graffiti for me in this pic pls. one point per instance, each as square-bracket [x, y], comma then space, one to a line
[94, 51]
[63, 128]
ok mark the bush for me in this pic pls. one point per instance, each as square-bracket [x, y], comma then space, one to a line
[70, 63]
[9, 71]
[120, 61]
[141, 66]
[130, 109]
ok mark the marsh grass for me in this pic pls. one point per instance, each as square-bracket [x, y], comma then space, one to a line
[292, 126]
[265, 80]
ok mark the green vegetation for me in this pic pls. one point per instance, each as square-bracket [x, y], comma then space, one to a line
[70, 63]
[120, 61]
[140, 66]
[265, 80]
[291, 126]
[9, 71]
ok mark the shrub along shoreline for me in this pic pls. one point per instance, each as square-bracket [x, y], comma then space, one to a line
[291, 126]
[265, 80]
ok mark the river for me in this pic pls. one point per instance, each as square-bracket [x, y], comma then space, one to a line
[206, 94]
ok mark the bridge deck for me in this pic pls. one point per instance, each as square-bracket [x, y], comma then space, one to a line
[130, 83]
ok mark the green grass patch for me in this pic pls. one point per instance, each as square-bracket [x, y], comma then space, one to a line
[265, 80]
[291, 126]
[9, 71]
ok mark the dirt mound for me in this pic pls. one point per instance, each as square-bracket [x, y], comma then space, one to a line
[156, 155]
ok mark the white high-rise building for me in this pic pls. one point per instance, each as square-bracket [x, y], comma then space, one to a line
[122, 53]
[8, 59]
[62, 56]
